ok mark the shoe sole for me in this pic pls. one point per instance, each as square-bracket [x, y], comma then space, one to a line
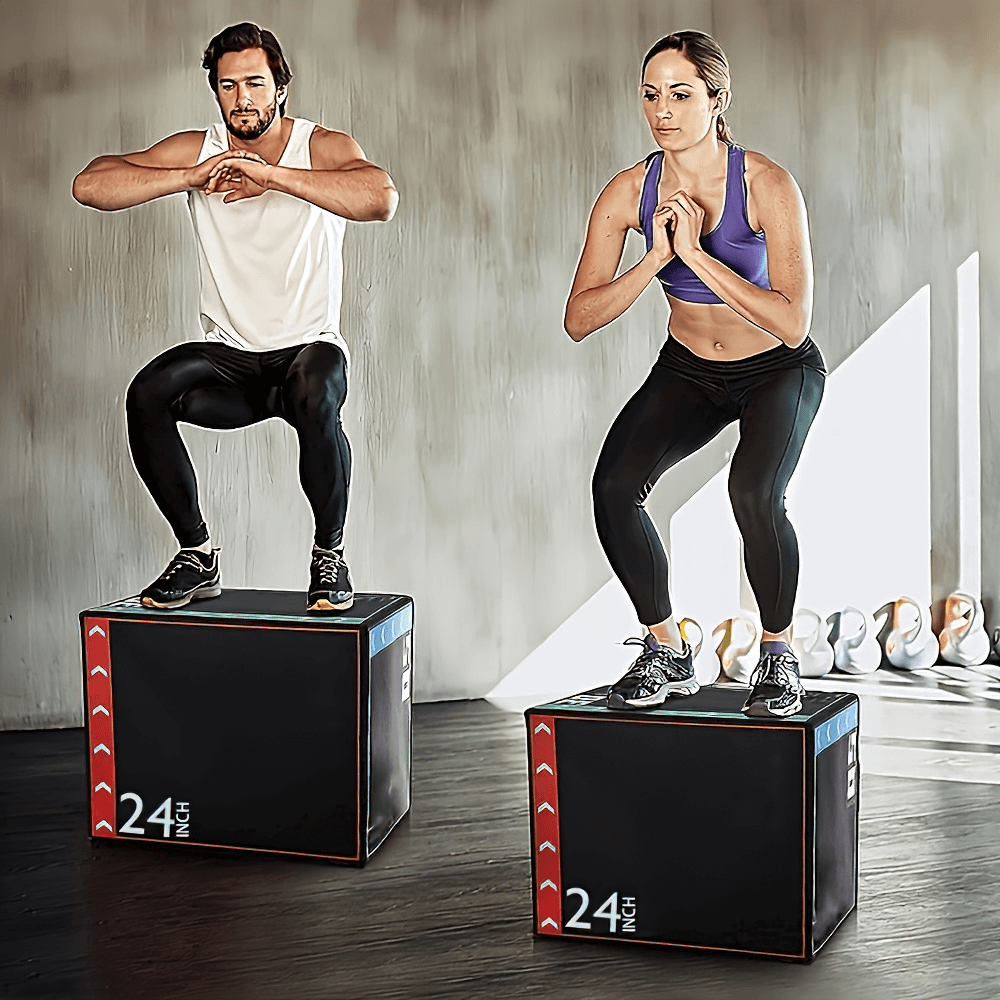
[761, 711]
[324, 605]
[667, 691]
[213, 590]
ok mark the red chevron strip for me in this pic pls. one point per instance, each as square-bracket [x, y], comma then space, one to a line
[545, 816]
[100, 727]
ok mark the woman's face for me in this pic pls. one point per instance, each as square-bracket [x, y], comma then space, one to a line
[676, 102]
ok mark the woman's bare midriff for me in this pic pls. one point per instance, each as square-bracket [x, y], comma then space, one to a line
[716, 332]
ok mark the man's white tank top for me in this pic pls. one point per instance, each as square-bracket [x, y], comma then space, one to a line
[271, 266]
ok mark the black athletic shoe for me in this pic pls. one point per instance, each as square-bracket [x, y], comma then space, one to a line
[190, 576]
[329, 582]
[776, 688]
[658, 673]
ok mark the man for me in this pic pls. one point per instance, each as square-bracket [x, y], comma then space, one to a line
[269, 197]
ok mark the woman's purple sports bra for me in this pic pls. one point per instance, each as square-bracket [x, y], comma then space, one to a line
[732, 241]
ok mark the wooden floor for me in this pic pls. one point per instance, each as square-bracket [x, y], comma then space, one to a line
[443, 909]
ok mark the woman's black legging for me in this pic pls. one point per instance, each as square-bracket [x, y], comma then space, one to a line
[214, 385]
[685, 402]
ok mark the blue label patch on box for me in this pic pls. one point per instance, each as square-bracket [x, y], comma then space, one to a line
[390, 630]
[840, 725]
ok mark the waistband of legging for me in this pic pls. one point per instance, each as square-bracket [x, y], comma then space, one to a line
[675, 355]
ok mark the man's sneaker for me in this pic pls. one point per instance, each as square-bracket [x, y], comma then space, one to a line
[190, 576]
[658, 673]
[329, 582]
[776, 688]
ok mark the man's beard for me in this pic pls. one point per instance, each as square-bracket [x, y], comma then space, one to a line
[250, 132]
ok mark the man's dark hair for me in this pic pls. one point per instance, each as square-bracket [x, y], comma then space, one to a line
[238, 37]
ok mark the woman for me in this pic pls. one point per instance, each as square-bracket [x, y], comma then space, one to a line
[727, 237]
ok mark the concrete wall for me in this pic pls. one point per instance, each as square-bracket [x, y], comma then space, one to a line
[475, 421]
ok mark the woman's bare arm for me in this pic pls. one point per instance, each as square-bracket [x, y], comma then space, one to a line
[597, 296]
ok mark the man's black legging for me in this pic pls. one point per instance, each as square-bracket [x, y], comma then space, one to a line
[213, 385]
[684, 403]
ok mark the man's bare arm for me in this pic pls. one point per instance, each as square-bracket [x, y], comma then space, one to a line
[169, 167]
[341, 180]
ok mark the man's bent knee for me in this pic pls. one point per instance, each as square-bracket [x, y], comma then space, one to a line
[316, 390]
[144, 392]
[156, 385]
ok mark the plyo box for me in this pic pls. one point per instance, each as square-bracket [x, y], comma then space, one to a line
[694, 825]
[244, 722]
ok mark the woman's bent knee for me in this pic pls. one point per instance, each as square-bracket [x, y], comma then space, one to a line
[612, 491]
[754, 507]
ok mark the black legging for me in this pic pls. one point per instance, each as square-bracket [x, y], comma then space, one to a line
[683, 404]
[217, 386]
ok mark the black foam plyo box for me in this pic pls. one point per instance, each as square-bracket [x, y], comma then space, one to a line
[694, 825]
[244, 722]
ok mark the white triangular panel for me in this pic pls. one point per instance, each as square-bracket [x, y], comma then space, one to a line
[860, 498]
[582, 653]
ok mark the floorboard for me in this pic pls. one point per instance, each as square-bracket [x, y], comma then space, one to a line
[444, 909]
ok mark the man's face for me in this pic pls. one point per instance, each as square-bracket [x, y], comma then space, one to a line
[247, 96]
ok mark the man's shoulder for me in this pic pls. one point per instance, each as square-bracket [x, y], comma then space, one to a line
[331, 148]
[319, 130]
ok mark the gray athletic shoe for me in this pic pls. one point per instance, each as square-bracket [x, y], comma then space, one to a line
[659, 673]
[776, 689]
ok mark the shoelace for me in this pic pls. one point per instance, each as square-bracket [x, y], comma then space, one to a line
[181, 560]
[774, 668]
[328, 565]
[662, 659]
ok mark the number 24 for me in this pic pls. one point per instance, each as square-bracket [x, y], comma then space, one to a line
[608, 910]
[161, 814]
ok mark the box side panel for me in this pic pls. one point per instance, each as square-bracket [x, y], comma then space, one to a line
[238, 737]
[99, 719]
[837, 796]
[390, 648]
[683, 833]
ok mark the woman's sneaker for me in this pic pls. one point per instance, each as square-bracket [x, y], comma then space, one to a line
[656, 675]
[190, 576]
[776, 688]
[329, 582]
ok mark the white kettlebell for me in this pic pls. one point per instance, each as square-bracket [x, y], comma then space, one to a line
[706, 668]
[692, 634]
[964, 640]
[810, 646]
[911, 644]
[739, 648]
[855, 648]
